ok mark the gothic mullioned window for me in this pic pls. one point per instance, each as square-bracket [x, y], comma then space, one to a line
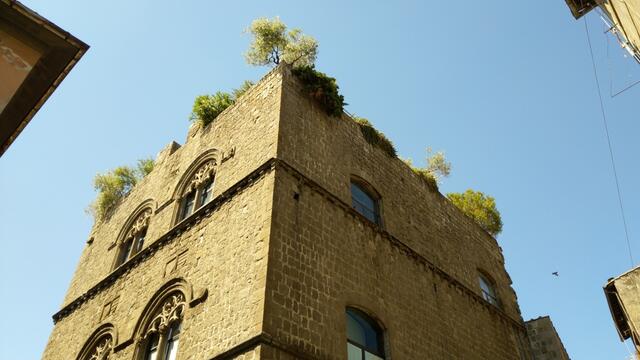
[365, 201]
[198, 191]
[162, 335]
[100, 344]
[364, 337]
[134, 238]
[102, 350]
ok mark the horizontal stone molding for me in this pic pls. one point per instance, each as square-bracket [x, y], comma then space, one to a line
[245, 182]
[262, 339]
[178, 229]
[400, 245]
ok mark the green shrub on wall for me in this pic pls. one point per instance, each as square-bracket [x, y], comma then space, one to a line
[322, 88]
[207, 107]
[424, 174]
[375, 137]
[479, 207]
[115, 184]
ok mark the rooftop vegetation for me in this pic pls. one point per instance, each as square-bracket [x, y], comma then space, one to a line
[116, 184]
[479, 207]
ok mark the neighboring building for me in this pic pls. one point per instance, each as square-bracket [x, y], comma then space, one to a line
[623, 296]
[35, 56]
[623, 17]
[545, 341]
[279, 232]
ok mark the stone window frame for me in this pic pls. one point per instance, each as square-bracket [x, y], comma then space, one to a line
[372, 193]
[132, 236]
[100, 344]
[167, 309]
[199, 179]
[493, 299]
[377, 326]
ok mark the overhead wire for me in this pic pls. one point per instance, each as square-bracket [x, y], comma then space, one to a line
[612, 29]
[606, 130]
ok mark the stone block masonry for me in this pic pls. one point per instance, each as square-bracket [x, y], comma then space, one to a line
[269, 266]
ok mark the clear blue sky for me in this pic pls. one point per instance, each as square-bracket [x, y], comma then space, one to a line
[505, 88]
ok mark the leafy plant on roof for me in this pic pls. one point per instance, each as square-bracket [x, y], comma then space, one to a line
[206, 108]
[437, 168]
[272, 44]
[479, 207]
[375, 137]
[115, 184]
[322, 88]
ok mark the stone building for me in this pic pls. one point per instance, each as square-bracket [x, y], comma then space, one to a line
[279, 232]
[545, 341]
[623, 296]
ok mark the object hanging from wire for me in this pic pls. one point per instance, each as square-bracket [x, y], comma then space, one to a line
[621, 17]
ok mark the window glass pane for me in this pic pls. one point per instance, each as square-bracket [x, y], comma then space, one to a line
[488, 292]
[364, 203]
[153, 354]
[140, 239]
[207, 190]
[355, 331]
[172, 349]
[362, 331]
[359, 195]
[172, 342]
[126, 250]
[152, 348]
[370, 356]
[353, 352]
[187, 208]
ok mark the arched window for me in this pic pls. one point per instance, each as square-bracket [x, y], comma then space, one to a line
[133, 241]
[488, 290]
[161, 336]
[100, 344]
[364, 337]
[198, 191]
[365, 201]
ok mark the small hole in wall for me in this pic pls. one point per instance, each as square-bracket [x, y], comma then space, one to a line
[296, 196]
[90, 241]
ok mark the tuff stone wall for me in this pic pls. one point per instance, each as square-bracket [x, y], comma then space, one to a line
[329, 151]
[277, 256]
[222, 250]
[247, 132]
[417, 274]
[545, 341]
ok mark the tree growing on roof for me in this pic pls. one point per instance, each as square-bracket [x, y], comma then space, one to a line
[479, 207]
[272, 43]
